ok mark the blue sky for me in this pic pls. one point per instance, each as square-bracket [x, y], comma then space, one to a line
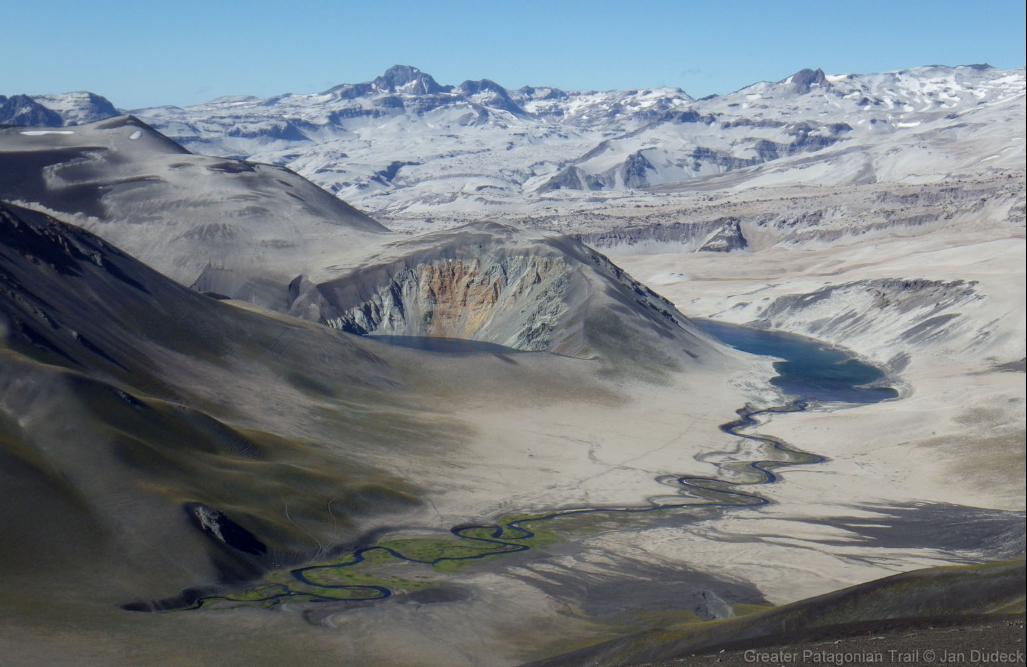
[144, 54]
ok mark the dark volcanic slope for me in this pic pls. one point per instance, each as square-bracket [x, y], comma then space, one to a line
[961, 641]
[157, 438]
[181, 213]
[950, 596]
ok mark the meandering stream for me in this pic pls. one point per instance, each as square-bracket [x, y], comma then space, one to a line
[807, 371]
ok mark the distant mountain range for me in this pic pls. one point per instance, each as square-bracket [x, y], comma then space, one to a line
[404, 143]
[55, 110]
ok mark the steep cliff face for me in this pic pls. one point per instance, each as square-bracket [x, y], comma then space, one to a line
[519, 301]
[490, 282]
[719, 235]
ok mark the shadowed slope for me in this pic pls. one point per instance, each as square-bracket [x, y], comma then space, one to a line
[913, 599]
[115, 389]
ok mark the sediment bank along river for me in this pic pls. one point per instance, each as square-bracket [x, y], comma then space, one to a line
[807, 371]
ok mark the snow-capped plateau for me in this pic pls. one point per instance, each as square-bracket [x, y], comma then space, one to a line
[412, 152]
[405, 146]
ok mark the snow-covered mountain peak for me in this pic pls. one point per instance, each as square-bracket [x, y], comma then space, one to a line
[806, 79]
[78, 107]
[23, 110]
[408, 80]
[403, 144]
[55, 110]
[488, 93]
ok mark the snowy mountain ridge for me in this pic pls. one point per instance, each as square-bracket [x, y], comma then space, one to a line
[404, 145]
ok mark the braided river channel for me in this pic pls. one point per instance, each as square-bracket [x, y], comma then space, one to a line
[808, 372]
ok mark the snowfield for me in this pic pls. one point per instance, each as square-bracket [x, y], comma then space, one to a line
[406, 148]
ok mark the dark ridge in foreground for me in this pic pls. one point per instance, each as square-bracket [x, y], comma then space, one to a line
[972, 640]
[920, 599]
[106, 372]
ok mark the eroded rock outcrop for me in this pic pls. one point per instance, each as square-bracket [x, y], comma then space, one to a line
[719, 235]
[515, 302]
[496, 283]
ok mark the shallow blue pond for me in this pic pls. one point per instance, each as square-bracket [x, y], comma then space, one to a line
[810, 369]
